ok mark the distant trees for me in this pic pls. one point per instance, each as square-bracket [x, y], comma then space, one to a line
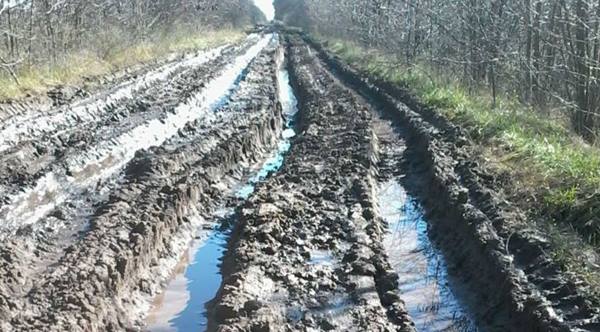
[43, 30]
[546, 52]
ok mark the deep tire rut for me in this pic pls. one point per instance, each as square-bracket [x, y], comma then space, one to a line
[475, 225]
[104, 278]
[319, 204]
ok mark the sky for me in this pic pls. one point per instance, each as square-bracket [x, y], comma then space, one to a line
[267, 7]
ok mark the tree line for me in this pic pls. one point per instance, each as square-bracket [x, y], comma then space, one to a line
[545, 52]
[44, 30]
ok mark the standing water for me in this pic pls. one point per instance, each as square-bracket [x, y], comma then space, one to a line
[421, 268]
[182, 305]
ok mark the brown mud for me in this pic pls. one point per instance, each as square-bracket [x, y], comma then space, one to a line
[309, 248]
[101, 278]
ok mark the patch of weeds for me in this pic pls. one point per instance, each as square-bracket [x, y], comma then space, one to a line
[580, 259]
[561, 198]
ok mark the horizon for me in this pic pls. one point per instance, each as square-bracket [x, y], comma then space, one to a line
[266, 6]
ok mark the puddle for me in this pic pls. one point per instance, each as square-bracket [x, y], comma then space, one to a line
[182, 305]
[54, 189]
[289, 105]
[321, 258]
[272, 164]
[192, 287]
[421, 268]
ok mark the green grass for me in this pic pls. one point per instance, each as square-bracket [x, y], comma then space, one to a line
[113, 55]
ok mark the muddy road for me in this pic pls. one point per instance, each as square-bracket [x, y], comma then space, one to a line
[261, 186]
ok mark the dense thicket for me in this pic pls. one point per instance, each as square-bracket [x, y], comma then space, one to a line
[546, 52]
[43, 30]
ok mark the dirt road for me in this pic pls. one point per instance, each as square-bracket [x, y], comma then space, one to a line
[262, 186]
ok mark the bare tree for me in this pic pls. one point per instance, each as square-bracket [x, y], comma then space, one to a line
[38, 31]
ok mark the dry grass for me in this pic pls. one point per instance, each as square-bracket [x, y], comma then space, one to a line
[115, 55]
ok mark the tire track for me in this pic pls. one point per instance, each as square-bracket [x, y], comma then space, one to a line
[93, 151]
[475, 225]
[307, 252]
[112, 214]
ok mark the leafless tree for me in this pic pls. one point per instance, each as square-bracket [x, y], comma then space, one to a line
[36, 31]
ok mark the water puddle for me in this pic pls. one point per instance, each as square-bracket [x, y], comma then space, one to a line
[182, 305]
[193, 286]
[421, 268]
[53, 189]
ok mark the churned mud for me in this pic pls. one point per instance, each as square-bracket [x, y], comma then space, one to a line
[262, 186]
[181, 306]
[89, 280]
[307, 250]
[423, 280]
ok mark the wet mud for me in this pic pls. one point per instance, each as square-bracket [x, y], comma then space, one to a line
[101, 279]
[475, 225]
[307, 251]
[182, 305]
[192, 196]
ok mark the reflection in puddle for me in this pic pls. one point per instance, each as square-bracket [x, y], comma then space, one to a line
[421, 268]
[289, 105]
[272, 164]
[182, 303]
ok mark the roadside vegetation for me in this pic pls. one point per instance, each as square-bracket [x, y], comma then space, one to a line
[55, 42]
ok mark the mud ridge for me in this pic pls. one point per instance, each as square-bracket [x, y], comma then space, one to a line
[63, 151]
[473, 222]
[31, 249]
[103, 279]
[306, 251]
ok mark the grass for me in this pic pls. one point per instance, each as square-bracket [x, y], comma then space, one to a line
[553, 173]
[113, 55]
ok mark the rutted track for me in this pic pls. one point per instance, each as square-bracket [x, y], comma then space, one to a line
[307, 252]
[89, 141]
[102, 200]
[164, 184]
[478, 230]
